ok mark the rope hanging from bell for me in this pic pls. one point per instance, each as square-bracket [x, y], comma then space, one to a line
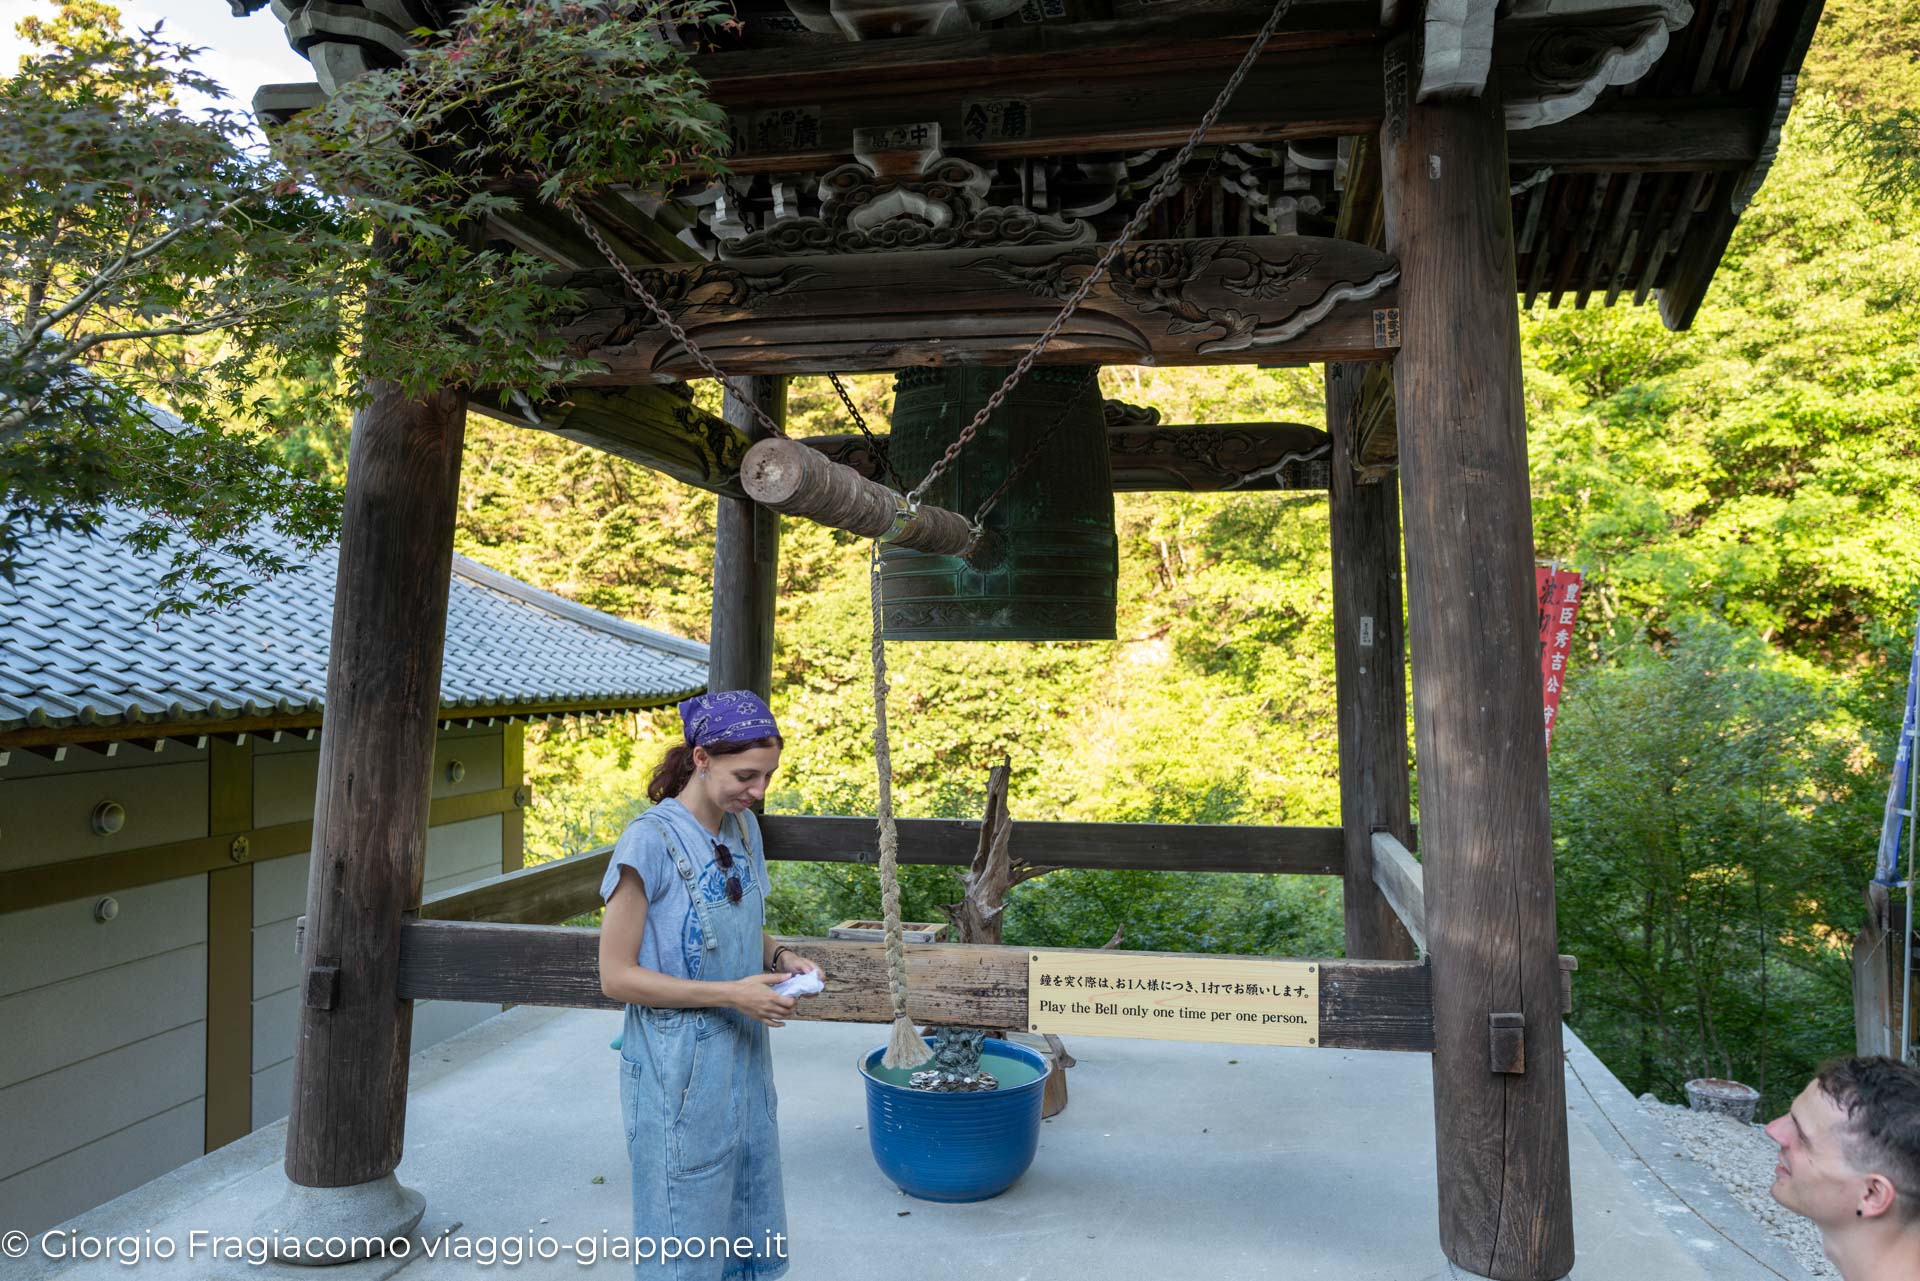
[905, 1049]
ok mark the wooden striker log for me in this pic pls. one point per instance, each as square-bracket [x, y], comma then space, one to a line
[796, 480]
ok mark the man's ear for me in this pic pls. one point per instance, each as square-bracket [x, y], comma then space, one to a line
[1878, 1198]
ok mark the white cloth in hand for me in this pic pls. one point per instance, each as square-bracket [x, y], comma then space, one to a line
[805, 983]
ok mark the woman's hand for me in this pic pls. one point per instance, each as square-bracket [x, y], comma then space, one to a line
[754, 997]
[791, 962]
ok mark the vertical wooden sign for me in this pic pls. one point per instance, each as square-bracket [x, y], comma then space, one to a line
[1558, 591]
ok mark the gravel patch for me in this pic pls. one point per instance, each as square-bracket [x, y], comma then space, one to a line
[1742, 1158]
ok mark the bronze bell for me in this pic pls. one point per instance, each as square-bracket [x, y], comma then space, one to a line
[1048, 568]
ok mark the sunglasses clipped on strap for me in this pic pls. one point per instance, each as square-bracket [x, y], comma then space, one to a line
[724, 857]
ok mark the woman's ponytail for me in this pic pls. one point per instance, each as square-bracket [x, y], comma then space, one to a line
[672, 774]
[675, 769]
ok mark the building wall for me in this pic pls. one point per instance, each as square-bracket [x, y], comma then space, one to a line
[103, 1058]
[104, 1027]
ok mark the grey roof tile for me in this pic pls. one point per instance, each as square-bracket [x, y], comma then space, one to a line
[74, 649]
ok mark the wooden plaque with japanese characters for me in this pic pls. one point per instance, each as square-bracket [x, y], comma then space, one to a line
[1174, 998]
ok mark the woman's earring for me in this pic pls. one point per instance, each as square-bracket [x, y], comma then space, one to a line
[703, 773]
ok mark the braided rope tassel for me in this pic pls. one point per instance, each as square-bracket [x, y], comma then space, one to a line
[905, 1049]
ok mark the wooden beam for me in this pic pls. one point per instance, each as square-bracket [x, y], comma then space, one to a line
[1501, 1139]
[658, 427]
[653, 425]
[1364, 1005]
[1376, 432]
[544, 894]
[47, 883]
[1247, 300]
[349, 1093]
[1126, 85]
[306, 723]
[551, 892]
[1308, 851]
[746, 556]
[1397, 873]
[1239, 457]
[1644, 137]
[1135, 84]
[1370, 674]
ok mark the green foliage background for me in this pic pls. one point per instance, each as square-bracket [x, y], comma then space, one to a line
[1745, 498]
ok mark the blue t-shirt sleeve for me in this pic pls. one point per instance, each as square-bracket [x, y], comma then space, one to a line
[642, 847]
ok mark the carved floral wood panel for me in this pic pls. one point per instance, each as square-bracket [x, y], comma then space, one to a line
[1255, 299]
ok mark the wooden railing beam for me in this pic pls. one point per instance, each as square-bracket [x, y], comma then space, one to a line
[549, 893]
[1364, 1005]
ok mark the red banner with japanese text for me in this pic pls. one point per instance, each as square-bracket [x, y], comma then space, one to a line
[1558, 591]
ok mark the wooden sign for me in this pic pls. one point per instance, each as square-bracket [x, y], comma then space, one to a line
[1174, 997]
[1559, 594]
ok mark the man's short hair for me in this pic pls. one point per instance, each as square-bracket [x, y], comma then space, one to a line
[1881, 1097]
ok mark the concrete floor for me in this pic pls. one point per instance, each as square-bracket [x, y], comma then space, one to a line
[1172, 1158]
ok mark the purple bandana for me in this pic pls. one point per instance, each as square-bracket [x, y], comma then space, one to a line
[730, 716]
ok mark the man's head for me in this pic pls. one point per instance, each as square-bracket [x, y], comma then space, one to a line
[1850, 1146]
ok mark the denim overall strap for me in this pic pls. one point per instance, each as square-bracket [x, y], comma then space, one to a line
[708, 939]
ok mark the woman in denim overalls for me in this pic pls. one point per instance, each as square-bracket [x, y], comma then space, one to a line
[683, 945]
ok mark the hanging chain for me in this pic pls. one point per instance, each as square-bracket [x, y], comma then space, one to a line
[1033, 454]
[1168, 179]
[882, 450]
[1193, 203]
[666, 318]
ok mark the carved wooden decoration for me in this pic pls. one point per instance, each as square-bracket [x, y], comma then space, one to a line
[1259, 299]
[880, 19]
[1552, 57]
[903, 192]
[1118, 413]
[1550, 71]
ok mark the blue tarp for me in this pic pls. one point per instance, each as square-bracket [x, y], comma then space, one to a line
[1886, 870]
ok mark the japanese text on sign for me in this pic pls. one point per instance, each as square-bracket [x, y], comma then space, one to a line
[1558, 591]
[1174, 998]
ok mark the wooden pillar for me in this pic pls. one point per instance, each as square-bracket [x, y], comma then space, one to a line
[1499, 1094]
[513, 773]
[746, 555]
[371, 801]
[1370, 673]
[230, 946]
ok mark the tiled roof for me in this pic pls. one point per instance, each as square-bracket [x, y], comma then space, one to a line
[74, 649]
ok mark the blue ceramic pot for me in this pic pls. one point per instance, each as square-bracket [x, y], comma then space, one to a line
[955, 1147]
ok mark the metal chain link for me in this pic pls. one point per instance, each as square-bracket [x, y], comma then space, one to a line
[883, 452]
[664, 317]
[1168, 178]
[1200, 189]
